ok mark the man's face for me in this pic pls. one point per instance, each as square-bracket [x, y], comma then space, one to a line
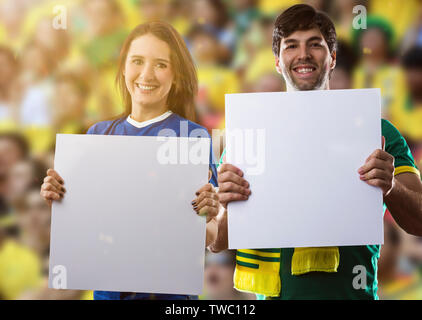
[305, 60]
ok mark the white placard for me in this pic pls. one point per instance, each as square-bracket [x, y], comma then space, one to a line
[126, 222]
[300, 152]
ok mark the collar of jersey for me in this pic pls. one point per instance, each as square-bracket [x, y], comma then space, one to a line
[142, 124]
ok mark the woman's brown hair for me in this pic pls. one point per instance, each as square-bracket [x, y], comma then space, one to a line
[182, 94]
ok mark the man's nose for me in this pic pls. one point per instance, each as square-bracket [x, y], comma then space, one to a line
[304, 52]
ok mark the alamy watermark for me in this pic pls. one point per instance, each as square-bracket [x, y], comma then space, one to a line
[247, 147]
[60, 18]
[359, 21]
[359, 281]
[59, 278]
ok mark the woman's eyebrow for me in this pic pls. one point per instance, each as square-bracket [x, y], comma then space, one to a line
[157, 59]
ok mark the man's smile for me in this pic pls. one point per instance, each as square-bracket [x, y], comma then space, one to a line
[304, 71]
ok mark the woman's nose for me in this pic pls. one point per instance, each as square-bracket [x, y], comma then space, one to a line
[147, 73]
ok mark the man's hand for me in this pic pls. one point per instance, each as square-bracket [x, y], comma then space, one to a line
[378, 170]
[232, 185]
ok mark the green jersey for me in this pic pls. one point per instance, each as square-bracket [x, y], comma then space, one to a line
[356, 276]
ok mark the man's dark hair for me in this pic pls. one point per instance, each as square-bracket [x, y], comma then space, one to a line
[302, 17]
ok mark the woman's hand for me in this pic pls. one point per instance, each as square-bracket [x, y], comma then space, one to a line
[206, 203]
[52, 188]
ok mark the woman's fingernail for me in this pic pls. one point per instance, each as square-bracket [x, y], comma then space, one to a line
[193, 202]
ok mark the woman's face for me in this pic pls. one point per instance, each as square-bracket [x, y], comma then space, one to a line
[148, 71]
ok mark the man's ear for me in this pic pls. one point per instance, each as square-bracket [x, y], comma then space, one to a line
[277, 65]
[333, 59]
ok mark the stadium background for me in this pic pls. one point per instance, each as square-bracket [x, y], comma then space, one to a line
[62, 81]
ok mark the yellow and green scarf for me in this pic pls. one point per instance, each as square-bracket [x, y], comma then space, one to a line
[258, 271]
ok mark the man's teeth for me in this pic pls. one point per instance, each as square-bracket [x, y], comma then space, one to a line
[305, 70]
[145, 87]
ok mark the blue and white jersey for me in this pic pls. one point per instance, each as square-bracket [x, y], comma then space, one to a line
[168, 124]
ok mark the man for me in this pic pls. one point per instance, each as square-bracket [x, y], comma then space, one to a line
[304, 45]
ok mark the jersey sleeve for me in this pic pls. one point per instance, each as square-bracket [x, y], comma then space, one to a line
[397, 146]
[91, 130]
[213, 166]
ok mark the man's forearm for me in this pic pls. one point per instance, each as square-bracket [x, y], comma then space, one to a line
[405, 205]
[221, 243]
[211, 232]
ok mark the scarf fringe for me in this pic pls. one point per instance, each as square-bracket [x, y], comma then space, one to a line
[268, 284]
[325, 259]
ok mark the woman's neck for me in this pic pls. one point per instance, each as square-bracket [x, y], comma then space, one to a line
[142, 113]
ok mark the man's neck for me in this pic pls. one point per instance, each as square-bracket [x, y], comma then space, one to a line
[290, 88]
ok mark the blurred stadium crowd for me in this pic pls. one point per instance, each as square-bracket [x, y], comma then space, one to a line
[62, 81]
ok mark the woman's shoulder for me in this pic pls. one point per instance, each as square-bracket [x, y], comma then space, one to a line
[182, 124]
[103, 126]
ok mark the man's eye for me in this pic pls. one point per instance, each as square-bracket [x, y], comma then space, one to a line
[291, 46]
[316, 45]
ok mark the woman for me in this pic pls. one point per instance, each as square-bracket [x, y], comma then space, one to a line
[157, 79]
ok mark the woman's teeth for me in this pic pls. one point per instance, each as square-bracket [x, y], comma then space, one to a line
[145, 87]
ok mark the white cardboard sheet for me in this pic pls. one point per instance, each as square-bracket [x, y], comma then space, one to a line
[300, 152]
[126, 222]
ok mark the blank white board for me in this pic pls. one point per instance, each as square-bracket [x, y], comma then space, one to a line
[126, 222]
[300, 152]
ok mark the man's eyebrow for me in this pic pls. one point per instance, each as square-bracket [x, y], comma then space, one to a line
[314, 38]
[290, 41]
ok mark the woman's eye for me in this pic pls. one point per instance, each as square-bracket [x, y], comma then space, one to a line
[162, 65]
[137, 61]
